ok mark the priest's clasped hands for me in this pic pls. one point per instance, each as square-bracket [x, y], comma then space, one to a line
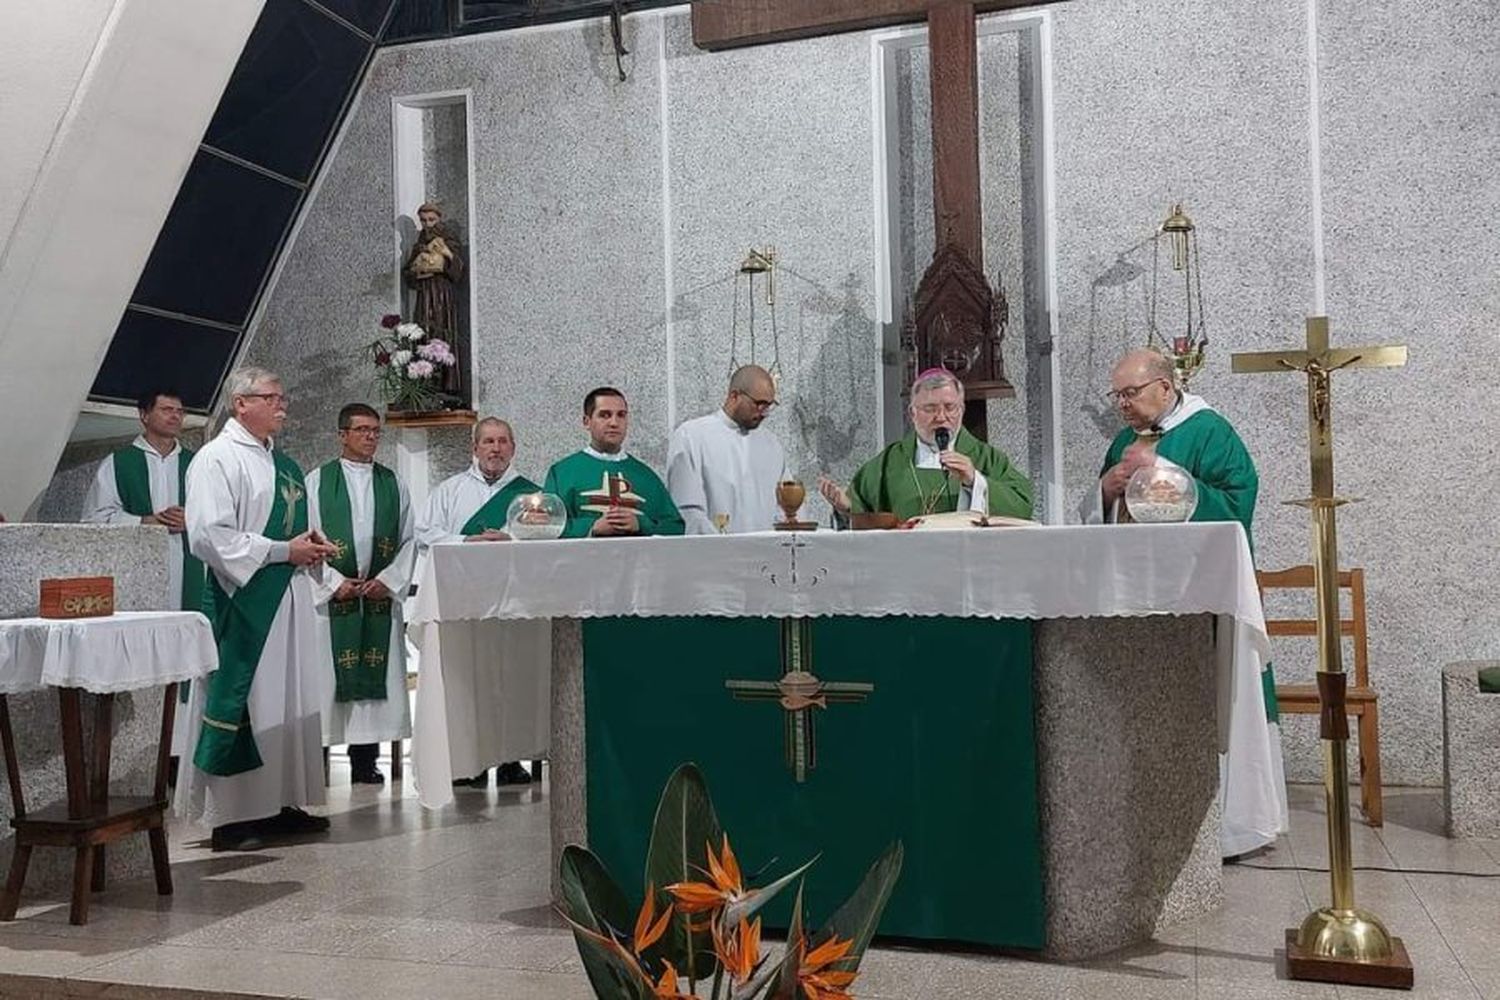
[616, 521]
[309, 548]
[370, 590]
[172, 518]
[1137, 456]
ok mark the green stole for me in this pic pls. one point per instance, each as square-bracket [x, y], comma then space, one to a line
[492, 514]
[134, 486]
[361, 628]
[226, 743]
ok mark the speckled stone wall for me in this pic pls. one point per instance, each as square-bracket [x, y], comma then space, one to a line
[599, 202]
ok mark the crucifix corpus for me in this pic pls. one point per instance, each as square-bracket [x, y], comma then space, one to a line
[959, 317]
[1339, 943]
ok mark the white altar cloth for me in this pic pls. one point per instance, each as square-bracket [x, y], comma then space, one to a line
[126, 651]
[1037, 572]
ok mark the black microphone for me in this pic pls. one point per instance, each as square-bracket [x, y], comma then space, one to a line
[941, 437]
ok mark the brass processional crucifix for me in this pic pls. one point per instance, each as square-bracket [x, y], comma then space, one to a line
[1340, 943]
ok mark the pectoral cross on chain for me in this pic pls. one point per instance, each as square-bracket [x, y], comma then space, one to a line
[799, 692]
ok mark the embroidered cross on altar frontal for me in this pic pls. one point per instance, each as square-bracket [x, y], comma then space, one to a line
[799, 692]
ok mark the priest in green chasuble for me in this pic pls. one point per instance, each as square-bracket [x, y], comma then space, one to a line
[937, 468]
[1163, 422]
[607, 491]
[145, 483]
[1166, 424]
[257, 720]
[362, 507]
[471, 507]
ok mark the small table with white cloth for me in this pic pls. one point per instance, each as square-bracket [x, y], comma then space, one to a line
[1143, 658]
[127, 651]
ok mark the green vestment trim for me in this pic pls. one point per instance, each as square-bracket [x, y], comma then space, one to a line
[226, 743]
[360, 628]
[891, 483]
[1489, 680]
[492, 514]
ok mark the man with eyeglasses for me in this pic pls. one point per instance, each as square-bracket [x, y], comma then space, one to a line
[361, 507]
[938, 468]
[144, 484]
[722, 469]
[1165, 424]
[258, 752]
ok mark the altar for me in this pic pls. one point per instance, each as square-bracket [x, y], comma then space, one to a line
[1038, 713]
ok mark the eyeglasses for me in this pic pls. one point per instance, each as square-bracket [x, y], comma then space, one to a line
[935, 409]
[270, 397]
[1130, 392]
[762, 404]
[373, 432]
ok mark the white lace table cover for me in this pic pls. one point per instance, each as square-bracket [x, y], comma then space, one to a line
[127, 651]
[1088, 571]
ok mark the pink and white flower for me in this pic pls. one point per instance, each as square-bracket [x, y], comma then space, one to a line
[399, 358]
[420, 369]
[438, 352]
[409, 331]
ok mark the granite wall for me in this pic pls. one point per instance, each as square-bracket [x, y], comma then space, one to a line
[609, 216]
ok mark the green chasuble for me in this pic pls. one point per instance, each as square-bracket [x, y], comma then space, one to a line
[360, 628]
[226, 744]
[583, 483]
[891, 482]
[492, 515]
[1212, 453]
[133, 483]
[1209, 449]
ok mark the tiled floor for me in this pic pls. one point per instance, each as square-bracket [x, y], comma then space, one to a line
[401, 903]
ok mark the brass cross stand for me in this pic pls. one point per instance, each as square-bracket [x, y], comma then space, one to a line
[1339, 943]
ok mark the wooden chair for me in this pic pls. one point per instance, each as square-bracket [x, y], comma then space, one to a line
[1362, 699]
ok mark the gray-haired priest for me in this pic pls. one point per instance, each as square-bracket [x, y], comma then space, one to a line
[471, 507]
[259, 751]
[361, 507]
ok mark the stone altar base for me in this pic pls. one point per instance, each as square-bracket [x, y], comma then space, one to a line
[1471, 752]
[1127, 765]
[136, 558]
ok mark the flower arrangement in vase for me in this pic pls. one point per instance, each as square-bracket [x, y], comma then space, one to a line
[409, 366]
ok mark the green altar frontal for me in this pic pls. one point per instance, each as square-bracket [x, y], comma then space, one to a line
[832, 736]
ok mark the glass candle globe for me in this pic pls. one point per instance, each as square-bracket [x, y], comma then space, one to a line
[535, 515]
[1162, 492]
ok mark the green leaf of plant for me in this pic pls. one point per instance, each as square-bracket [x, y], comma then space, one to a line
[593, 901]
[744, 909]
[859, 917]
[685, 824]
[612, 971]
[785, 987]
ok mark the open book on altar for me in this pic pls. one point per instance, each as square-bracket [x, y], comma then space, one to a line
[967, 519]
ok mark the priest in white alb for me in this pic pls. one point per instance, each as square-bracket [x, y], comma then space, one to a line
[363, 508]
[487, 685]
[722, 468]
[258, 718]
[143, 483]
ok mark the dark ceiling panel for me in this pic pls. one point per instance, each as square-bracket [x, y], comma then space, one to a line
[366, 15]
[284, 98]
[159, 352]
[218, 241]
[414, 20]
